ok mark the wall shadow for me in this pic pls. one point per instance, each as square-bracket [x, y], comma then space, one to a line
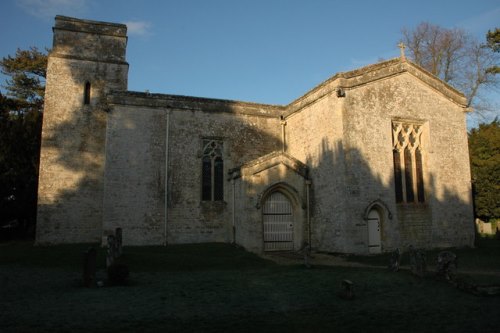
[103, 163]
[87, 186]
[345, 187]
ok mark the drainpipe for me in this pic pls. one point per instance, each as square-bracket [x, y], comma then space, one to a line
[167, 127]
[234, 207]
[283, 124]
[308, 186]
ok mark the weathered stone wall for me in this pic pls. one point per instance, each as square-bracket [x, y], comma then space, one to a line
[135, 165]
[135, 173]
[252, 190]
[244, 137]
[110, 163]
[314, 136]
[89, 40]
[73, 134]
[347, 143]
[446, 216]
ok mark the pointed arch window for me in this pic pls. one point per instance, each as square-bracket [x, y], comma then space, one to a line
[408, 164]
[86, 93]
[212, 188]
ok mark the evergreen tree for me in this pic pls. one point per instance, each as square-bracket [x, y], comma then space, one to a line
[20, 130]
[484, 146]
[493, 42]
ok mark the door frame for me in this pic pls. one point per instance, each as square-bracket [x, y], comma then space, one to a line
[385, 216]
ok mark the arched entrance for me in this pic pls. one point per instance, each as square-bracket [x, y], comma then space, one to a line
[374, 239]
[277, 217]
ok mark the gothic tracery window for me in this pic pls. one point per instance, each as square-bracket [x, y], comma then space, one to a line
[212, 171]
[408, 165]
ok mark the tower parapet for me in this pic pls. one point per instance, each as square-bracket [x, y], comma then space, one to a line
[90, 40]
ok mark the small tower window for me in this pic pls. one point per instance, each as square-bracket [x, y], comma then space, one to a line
[86, 93]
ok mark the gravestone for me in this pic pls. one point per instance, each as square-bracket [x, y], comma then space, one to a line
[395, 260]
[447, 264]
[307, 255]
[111, 253]
[418, 262]
[89, 267]
[118, 236]
[347, 290]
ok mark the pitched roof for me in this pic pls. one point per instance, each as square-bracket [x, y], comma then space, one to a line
[371, 73]
[344, 80]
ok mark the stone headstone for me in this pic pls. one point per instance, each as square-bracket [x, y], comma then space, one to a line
[89, 267]
[111, 253]
[447, 264]
[347, 290]
[395, 260]
[307, 255]
[418, 261]
[118, 236]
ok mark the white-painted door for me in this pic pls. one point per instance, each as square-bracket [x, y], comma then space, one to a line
[374, 242]
[277, 223]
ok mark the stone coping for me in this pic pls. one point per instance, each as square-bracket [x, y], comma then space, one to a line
[179, 102]
[89, 26]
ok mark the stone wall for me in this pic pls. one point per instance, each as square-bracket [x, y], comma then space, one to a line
[258, 179]
[253, 187]
[346, 141]
[314, 136]
[135, 165]
[446, 216]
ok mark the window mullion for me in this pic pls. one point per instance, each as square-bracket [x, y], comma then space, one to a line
[213, 174]
[402, 166]
[414, 174]
[212, 179]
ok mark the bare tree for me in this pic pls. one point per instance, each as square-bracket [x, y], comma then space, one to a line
[458, 59]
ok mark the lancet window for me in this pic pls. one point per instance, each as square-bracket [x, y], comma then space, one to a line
[212, 171]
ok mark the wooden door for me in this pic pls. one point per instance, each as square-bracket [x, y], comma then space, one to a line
[374, 241]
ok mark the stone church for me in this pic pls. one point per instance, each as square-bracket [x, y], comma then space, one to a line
[365, 162]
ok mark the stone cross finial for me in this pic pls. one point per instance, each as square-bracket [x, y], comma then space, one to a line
[402, 47]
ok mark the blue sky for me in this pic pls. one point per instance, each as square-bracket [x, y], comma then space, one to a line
[267, 51]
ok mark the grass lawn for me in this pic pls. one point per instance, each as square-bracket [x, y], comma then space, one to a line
[220, 288]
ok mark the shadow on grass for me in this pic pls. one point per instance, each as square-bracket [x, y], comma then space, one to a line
[484, 257]
[189, 257]
[192, 257]
[478, 268]
[67, 257]
[221, 288]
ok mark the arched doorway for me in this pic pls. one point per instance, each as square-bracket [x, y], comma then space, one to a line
[277, 218]
[374, 239]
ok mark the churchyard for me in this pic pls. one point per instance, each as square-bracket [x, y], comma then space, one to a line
[222, 288]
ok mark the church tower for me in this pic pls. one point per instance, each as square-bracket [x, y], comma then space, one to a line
[86, 62]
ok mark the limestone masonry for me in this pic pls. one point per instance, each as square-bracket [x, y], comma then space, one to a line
[368, 161]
